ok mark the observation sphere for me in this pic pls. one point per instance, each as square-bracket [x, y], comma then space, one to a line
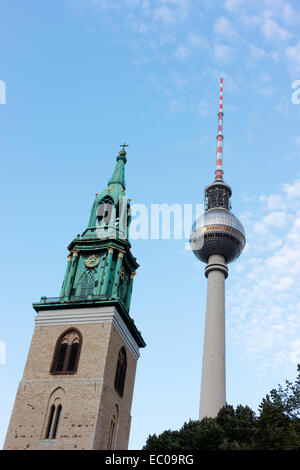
[217, 232]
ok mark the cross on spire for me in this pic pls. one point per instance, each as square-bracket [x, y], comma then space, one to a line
[124, 145]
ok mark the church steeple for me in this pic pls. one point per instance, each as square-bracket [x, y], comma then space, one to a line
[101, 267]
[83, 355]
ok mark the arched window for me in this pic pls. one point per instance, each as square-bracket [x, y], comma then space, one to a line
[67, 352]
[121, 372]
[113, 429]
[54, 414]
[53, 422]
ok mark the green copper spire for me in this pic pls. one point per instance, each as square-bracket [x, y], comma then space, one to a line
[101, 268]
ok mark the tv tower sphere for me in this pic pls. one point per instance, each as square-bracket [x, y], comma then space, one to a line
[217, 231]
[217, 238]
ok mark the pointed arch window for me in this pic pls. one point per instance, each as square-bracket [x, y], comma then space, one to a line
[113, 429]
[121, 372]
[53, 422]
[67, 352]
[54, 414]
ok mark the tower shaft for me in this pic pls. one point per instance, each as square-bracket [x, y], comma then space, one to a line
[213, 383]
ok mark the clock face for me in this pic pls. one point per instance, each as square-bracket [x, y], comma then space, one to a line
[92, 261]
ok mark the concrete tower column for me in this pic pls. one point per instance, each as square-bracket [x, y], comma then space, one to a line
[213, 383]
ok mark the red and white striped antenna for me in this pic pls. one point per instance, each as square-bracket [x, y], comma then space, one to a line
[219, 170]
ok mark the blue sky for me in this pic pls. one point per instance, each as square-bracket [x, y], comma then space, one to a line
[81, 77]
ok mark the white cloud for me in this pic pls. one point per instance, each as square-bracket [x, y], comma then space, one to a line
[182, 52]
[180, 82]
[197, 41]
[164, 14]
[171, 11]
[166, 38]
[203, 108]
[273, 32]
[132, 3]
[263, 301]
[290, 16]
[295, 351]
[223, 54]
[292, 54]
[292, 190]
[245, 197]
[233, 5]
[273, 202]
[224, 28]
[177, 106]
[260, 228]
[256, 55]
[251, 20]
[264, 85]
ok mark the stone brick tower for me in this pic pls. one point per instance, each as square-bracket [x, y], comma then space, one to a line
[76, 390]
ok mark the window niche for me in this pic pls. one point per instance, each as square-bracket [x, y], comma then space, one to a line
[67, 353]
[113, 429]
[53, 415]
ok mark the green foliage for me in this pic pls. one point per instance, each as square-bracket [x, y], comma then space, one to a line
[277, 427]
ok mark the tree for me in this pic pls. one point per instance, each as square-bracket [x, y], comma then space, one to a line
[277, 427]
[288, 398]
[238, 427]
[229, 430]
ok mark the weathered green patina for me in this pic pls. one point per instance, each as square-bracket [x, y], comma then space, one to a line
[101, 267]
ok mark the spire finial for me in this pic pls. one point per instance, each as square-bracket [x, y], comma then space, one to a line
[123, 146]
[219, 170]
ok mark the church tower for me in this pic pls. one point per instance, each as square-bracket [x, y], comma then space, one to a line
[76, 390]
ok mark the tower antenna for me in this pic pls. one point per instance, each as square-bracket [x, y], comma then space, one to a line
[219, 170]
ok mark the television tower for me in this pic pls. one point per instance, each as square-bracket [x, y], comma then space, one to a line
[217, 238]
